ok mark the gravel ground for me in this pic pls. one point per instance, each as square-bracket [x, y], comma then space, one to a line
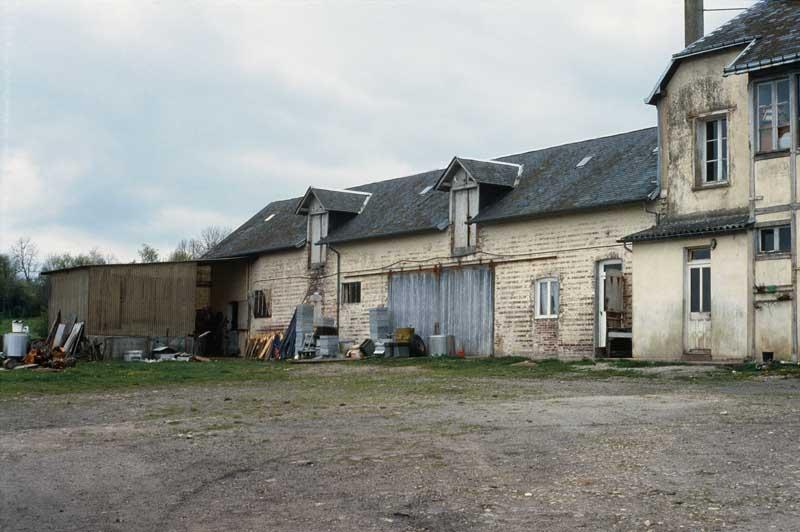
[316, 454]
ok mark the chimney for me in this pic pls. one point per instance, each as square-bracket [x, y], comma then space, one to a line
[693, 20]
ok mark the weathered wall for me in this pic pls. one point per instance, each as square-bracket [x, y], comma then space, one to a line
[577, 241]
[142, 300]
[697, 89]
[286, 274]
[658, 297]
[69, 294]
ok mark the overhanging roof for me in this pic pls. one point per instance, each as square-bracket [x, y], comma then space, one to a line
[332, 200]
[710, 223]
[484, 172]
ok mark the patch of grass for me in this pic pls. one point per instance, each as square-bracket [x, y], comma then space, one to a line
[102, 376]
[38, 325]
[633, 363]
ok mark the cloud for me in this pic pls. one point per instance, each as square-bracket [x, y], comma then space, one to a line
[146, 121]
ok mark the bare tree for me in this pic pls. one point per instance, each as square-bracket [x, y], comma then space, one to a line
[24, 255]
[182, 252]
[211, 236]
[148, 253]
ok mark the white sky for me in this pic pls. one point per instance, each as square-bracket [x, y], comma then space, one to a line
[131, 122]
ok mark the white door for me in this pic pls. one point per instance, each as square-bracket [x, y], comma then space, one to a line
[603, 267]
[698, 301]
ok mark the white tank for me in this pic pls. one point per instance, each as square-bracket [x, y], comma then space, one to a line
[15, 345]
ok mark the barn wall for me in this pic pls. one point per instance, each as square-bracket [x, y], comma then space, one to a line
[142, 300]
[69, 294]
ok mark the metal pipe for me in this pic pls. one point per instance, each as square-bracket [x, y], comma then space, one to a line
[338, 283]
[793, 175]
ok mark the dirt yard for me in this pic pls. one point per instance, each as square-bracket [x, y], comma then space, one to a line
[369, 447]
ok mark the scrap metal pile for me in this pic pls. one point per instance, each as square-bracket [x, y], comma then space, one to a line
[58, 351]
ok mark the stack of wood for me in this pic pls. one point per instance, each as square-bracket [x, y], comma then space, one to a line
[264, 347]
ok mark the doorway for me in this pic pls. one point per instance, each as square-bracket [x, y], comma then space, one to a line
[605, 269]
[698, 301]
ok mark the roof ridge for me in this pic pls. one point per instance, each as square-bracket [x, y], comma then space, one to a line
[575, 143]
[492, 161]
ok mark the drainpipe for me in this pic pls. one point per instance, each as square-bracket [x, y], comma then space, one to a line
[338, 282]
[793, 175]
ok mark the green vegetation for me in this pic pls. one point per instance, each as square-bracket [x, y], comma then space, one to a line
[353, 382]
[102, 376]
[37, 324]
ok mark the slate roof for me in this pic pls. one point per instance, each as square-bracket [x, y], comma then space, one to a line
[337, 200]
[396, 207]
[622, 170]
[773, 28]
[284, 230]
[768, 33]
[709, 223]
[485, 172]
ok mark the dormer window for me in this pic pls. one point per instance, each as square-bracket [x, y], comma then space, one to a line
[324, 209]
[467, 180]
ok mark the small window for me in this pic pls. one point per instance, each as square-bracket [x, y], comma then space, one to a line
[351, 292]
[713, 139]
[262, 304]
[773, 115]
[775, 239]
[699, 254]
[547, 295]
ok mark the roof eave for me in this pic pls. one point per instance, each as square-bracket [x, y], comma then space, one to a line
[557, 212]
[736, 228]
[432, 229]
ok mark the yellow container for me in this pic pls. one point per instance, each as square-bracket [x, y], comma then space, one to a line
[403, 335]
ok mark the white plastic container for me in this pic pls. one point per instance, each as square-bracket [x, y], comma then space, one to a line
[133, 356]
[17, 326]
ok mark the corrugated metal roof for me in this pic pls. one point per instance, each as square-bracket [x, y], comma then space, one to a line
[710, 223]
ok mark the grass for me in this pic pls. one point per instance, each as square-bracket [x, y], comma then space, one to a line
[102, 376]
[454, 378]
[38, 325]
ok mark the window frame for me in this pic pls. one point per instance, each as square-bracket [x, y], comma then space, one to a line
[775, 229]
[701, 265]
[551, 313]
[722, 144]
[774, 106]
[262, 303]
[351, 293]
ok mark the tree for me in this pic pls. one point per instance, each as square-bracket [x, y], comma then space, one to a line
[183, 251]
[148, 253]
[24, 254]
[68, 260]
[195, 248]
[211, 236]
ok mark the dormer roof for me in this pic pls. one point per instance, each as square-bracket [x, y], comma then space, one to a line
[483, 172]
[333, 200]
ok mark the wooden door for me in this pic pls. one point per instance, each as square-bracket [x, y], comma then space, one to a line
[698, 302]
